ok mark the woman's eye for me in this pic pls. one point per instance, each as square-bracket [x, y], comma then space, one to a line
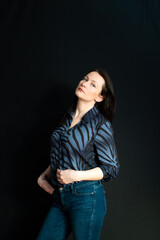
[85, 79]
[93, 85]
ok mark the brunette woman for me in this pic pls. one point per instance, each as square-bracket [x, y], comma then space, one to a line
[83, 156]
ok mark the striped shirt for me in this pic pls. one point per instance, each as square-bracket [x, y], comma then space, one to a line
[89, 144]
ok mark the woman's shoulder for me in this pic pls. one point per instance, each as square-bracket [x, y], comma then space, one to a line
[57, 131]
[103, 122]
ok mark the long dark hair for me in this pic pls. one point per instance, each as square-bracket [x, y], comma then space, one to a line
[107, 106]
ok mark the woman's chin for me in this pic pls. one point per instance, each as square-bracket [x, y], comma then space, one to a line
[78, 94]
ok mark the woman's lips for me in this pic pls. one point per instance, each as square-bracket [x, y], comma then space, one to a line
[80, 89]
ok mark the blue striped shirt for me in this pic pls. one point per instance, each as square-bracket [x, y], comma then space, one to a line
[89, 144]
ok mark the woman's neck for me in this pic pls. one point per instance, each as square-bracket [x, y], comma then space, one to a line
[82, 107]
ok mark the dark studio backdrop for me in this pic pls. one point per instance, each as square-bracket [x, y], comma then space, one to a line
[47, 47]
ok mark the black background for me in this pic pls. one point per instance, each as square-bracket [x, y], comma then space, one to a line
[46, 48]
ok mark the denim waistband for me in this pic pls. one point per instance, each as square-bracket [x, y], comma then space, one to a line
[76, 185]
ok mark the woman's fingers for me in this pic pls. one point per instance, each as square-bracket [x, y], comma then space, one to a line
[58, 175]
[66, 176]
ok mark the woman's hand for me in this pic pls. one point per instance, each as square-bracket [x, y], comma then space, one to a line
[43, 183]
[66, 176]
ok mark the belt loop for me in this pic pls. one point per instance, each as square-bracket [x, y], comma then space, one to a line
[72, 188]
[100, 181]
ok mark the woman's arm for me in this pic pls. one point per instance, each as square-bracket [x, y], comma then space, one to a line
[70, 175]
[106, 151]
[92, 174]
[43, 181]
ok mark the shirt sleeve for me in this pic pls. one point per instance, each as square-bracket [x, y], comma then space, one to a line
[106, 151]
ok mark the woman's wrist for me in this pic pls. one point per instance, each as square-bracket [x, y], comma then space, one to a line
[78, 176]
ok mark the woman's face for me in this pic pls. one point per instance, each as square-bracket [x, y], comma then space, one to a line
[90, 87]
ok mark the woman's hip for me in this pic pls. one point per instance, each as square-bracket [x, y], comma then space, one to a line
[88, 194]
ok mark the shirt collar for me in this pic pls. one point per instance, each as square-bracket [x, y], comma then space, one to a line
[88, 116]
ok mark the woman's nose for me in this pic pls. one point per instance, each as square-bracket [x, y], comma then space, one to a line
[84, 84]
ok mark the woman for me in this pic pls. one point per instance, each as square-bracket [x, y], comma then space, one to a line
[83, 155]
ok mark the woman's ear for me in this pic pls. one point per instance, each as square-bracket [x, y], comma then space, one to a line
[100, 98]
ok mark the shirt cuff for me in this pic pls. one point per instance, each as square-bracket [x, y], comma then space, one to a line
[109, 173]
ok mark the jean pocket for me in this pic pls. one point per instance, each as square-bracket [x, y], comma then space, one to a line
[85, 190]
[55, 193]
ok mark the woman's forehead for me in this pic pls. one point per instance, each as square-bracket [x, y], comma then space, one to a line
[95, 76]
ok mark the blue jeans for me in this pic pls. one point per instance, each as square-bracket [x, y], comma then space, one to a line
[79, 208]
